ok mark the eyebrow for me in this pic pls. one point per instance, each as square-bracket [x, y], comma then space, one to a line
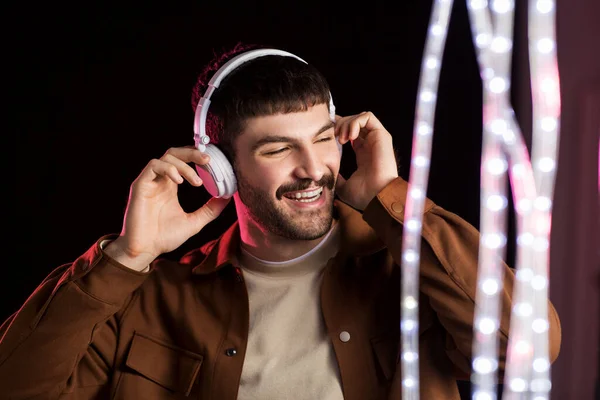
[285, 139]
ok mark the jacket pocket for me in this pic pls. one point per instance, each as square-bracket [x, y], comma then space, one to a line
[385, 348]
[167, 365]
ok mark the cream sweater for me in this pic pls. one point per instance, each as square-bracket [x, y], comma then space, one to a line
[289, 354]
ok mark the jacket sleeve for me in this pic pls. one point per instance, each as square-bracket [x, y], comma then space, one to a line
[62, 341]
[448, 273]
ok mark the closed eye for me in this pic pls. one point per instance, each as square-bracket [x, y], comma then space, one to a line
[276, 152]
[271, 153]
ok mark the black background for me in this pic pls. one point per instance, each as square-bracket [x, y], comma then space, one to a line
[99, 90]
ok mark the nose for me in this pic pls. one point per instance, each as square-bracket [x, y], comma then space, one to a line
[310, 165]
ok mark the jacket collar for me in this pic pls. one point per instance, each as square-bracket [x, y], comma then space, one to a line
[357, 239]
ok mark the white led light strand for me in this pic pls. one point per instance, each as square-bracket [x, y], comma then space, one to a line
[417, 189]
[526, 370]
[494, 56]
[545, 141]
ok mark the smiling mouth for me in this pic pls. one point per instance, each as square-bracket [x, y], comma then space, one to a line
[305, 196]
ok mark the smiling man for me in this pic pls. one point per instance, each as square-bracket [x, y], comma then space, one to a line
[289, 195]
[298, 299]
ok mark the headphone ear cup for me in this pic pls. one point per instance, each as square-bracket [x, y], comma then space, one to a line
[217, 175]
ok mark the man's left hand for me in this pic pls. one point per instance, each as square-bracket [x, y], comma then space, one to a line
[375, 158]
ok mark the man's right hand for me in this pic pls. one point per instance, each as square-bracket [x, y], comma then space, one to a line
[154, 221]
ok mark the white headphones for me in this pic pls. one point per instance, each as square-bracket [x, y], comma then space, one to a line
[217, 175]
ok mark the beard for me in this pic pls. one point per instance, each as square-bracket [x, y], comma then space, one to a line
[276, 217]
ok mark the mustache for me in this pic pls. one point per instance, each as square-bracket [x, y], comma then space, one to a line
[327, 181]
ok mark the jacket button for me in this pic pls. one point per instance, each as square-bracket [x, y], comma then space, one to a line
[397, 207]
[344, 336]
[230, 352]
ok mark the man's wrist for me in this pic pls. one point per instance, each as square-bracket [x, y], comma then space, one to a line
[385, 183]
[139, 263]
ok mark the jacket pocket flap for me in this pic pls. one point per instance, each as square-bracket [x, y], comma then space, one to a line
[163, 363]
[385, 348]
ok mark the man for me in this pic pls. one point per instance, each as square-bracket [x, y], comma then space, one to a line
[299, 299]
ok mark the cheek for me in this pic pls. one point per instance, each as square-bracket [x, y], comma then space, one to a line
[266, 178]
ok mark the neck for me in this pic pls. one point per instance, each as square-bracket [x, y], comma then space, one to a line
[270, 247]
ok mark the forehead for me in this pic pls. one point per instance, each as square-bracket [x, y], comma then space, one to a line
[297, 125]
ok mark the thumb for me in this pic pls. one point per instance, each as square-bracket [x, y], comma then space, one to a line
[209, 211]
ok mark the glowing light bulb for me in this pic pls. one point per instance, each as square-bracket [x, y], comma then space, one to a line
[548, 123]
[518, 385]
[501, 44]
[545, 45]
[482, 39]
[412, 224]
[540, 325]
[548, 85]
[421, 161]
[523, 309]
[437, 30]
[409, 382]
[431, 62]
[481, 395]
[494, 240]
[498, 85]
[416, 193]
[502, 6]
[410, 256]
[487, 326]
[542, 203]
[496, 166]
[478, 4]
[410, 302]
[541, 364]
[490, 286]
[408, 325]
[546, 164]
[525, 274]
[483, 365]
[498, 126]
[424, 129]
[545, 6]
[427, 96]
[496, 202]
[539, 282]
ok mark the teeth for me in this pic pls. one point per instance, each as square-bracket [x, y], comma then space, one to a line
[306, 197]
[307, 194]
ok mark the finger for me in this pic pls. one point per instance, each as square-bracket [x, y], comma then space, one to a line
[189, 154]
[364, 123]
[208, 212]
[341, 128]
[160, 169]
[184, 169]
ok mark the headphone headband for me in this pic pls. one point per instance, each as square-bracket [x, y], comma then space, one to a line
[200, 137]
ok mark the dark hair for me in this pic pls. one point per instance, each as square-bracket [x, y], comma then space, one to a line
[263, 86]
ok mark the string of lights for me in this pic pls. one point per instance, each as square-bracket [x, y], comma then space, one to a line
[504, 153]
[493, 52]
[530, 378]
[417, 189]
[529, 313]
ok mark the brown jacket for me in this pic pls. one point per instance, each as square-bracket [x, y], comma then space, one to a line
[95, 329]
